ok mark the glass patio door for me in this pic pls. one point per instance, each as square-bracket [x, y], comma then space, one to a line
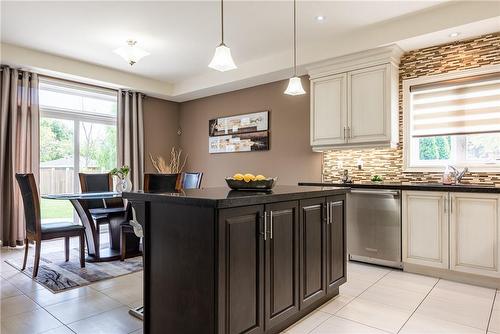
[77, 134]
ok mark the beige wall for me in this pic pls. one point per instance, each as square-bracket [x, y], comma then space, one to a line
[290, 157]
[161, 121]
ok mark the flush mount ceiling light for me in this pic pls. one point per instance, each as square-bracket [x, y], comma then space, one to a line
[320, 18]
[131, 53]
[294, 84]
[222, 60]
[454, 34]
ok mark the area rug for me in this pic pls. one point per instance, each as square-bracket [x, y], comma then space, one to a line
[57, 275]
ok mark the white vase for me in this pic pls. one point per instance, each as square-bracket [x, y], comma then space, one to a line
[123, 184]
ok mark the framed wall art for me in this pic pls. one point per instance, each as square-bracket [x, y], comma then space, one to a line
[239, 133]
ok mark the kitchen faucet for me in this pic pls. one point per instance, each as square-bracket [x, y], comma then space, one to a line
[457, 175]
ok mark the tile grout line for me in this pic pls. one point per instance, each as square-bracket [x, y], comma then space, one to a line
[331, 315]
[491, 310]
[59, 320]
[39, 306]
[338, 316]
[390, 271]
[43, 308]
[416, 308]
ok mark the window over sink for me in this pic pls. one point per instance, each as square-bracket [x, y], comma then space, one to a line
[453, 119]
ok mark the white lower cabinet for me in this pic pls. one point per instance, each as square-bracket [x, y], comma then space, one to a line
[459, 232]
[425, 228]
[474, 233]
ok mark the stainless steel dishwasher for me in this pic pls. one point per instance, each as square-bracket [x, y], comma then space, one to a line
[374, 226]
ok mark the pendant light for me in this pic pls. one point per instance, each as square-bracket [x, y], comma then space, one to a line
[294, 84]
[222, 60]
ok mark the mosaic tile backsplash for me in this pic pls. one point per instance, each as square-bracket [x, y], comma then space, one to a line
[387, 162]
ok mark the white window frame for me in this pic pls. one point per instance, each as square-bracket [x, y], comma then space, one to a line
[436, 165]
[78, 116]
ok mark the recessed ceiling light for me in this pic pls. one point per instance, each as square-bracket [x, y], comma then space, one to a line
[454, 34]
[320, 18]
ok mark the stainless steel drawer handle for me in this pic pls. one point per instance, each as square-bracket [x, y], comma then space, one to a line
[270, 225]
[331, 212]
[375, 192]
[327, 213]
[265, 226]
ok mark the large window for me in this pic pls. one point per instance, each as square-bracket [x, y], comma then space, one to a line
[77, 134]
[452, 120]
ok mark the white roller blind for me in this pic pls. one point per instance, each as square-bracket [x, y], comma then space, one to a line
[466, 106]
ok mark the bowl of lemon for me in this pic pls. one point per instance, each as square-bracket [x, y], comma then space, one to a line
[240, 181]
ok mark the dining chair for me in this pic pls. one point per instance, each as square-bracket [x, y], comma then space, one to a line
[191, 180]
[102, 211]
[158, 183]
[37, 232]
[162, 182]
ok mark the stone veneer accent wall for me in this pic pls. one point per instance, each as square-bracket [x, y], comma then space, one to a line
[387, 162]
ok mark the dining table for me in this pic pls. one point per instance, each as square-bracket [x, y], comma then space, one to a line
[96, 253]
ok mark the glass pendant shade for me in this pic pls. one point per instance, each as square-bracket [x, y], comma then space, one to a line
[222, 60]
[131, 53]
[295, 87]
[295, 84]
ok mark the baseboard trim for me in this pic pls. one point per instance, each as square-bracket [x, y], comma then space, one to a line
[484, 281]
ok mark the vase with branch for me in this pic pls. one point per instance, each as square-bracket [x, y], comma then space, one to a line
[174, 166]
[124, 183]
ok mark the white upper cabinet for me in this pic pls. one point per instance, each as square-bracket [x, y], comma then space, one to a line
[329, 99]
[354, 100]
[368, 90]
[475, 233]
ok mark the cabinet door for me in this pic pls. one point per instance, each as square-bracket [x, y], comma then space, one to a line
[312, 251]
[335, 245]
[368, 105]
[328, 110]
[282, 262]
[425, 228]
[241, 270]
[474, 233]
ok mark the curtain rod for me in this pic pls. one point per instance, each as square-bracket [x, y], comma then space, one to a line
[131, 92]
[70, 81]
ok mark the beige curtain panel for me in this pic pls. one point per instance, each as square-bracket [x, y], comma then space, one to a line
[19, 141]
[131, 135]
[468, 107]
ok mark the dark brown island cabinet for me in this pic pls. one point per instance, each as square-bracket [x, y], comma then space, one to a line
[228, 262]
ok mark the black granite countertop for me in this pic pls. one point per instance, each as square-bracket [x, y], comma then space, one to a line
[223, 197]
[473, 188]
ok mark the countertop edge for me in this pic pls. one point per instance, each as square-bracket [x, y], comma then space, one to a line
[416, 187]
[221, 203]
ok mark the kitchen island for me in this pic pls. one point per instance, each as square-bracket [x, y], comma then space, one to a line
[223, 261]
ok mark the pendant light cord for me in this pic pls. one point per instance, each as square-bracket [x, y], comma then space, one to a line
[222, 20]
[294, 38]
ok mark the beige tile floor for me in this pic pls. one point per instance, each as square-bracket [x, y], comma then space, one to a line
[381, 300]
[375, 300]
[27, 307]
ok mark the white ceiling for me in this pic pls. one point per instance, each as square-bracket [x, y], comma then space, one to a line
[181, 35]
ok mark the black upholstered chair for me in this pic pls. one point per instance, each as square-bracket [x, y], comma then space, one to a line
[100, 182]
[37, 232]
[159, 183]
[103, 212]
[162, 183]
[191, 180]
